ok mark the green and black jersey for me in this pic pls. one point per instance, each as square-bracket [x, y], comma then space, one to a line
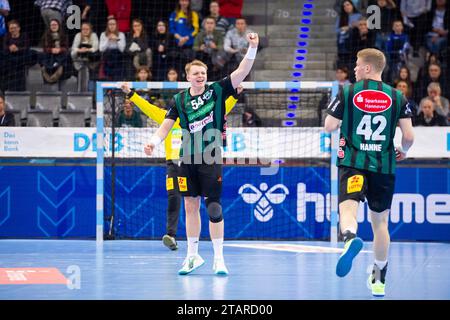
[203, 116]
[369, 111]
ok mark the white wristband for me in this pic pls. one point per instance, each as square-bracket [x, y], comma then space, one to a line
[251, 53]
[155, 140]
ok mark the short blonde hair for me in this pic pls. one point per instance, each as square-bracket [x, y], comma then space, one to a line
[195, 63]
[374, 57]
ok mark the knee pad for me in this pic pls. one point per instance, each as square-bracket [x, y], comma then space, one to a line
[214, 209]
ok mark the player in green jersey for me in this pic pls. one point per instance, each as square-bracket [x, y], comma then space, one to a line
[367, 113]
[201, 111]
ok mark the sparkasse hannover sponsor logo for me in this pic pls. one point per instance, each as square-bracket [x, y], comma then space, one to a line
[372, 101]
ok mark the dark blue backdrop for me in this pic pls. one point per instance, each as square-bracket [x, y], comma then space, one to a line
[59, 201]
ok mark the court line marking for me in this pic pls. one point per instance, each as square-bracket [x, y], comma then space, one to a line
[297, 248]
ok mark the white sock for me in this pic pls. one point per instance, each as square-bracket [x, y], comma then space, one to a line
[192, 246]
[218, 248]
[380, 264]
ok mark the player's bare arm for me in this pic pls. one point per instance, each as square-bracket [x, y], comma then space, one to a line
[238, 75]
[331, 123]
[159, 136]
[407, 138]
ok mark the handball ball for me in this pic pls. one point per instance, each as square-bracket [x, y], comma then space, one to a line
[252, 35]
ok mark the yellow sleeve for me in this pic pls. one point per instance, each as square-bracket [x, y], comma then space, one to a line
[195, 23]
[150, 110]
[229, 104]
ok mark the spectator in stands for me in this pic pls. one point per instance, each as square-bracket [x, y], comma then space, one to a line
[172, 75]
[143, 73]
[166, 97]
[360, 38]
[121, 11]
[235, 43]
[440, 103]
[17, 57]
[152, 96]
[438, 23]
[431, 58]
[138, 46]
[209, 48]
[250, 118]
[428, 117]
[396, 48]
[342, 76]
[388, 14]
[184, 25]
[53, 10]
[434, 74]
[4, 12]
[347, 20]
[164, 50]
[404, 75]
[128, 116]
[231, 9]
[360, 5]
[112, 46]
[404, 87]
[85, 55]
[6, 117]
[222, 23]
[55, 57]
[414, 13]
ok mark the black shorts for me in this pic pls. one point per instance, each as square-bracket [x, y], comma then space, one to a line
[172, 173]
[200, 180]
[357, 184]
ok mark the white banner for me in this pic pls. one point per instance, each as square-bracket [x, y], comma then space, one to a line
[267, 143]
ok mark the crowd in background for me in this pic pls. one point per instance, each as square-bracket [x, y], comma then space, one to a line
[118, 42]
[413, 34]
[213, 31]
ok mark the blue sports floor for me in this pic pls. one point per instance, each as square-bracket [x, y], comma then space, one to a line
[258, 270]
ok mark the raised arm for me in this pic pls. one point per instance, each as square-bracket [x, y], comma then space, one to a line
[246, 64]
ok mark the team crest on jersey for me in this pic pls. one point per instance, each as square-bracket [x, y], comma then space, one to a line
[372, 101]
[207, 95]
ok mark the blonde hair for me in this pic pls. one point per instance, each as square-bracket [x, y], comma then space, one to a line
[195, 63]
[374, 57]
[434, 86]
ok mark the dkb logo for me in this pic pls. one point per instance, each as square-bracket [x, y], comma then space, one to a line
[263, 198]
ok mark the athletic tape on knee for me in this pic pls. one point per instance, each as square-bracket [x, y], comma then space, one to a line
[214, 209]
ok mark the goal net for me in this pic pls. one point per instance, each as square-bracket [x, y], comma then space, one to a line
[276, 174]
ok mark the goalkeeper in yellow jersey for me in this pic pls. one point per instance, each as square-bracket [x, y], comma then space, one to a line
[172, 146]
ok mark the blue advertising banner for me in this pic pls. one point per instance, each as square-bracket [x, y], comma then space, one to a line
[59, 202]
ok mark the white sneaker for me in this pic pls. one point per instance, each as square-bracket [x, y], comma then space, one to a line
[219, 267]
[190, 264]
